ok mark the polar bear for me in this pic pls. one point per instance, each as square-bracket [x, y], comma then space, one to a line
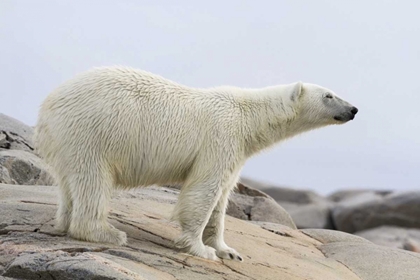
[117, 127]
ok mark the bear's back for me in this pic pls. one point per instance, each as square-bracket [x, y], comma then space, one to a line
[127, 117]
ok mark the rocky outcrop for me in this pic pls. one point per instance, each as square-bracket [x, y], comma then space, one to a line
[31, 249]
[15, 135]
[365, 259]
[313, 215]
[258, 209]
[347, 210]
[253, 205]
[18, 163]
[395, 237]
[23, 168]
[342, 195]
[246, 190]
[307, 209]
[370, 210]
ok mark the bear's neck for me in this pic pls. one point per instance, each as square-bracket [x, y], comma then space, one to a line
[269, 116]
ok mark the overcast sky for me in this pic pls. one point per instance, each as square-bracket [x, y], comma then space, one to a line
[368, 52]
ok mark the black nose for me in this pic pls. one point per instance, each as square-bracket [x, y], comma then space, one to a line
[354, 110]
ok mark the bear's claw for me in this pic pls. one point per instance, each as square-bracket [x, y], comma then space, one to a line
[229, 253]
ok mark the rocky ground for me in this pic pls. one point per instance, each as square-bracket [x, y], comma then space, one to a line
[30, 248]
[270, 227]
[388, 218]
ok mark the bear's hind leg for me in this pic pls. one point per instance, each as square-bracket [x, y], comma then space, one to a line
[65, 207]
[91, 192]
[213, 232]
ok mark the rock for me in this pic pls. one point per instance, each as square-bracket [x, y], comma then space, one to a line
[254, 205]
[365, 259]
[245, 190]
[31, 249]
[307, 209]
[360, 198]
[258, 208]
[254, 183]
[373, 262]
[392, 236]
[23, 168]
[15, 135]
[275, 228]
[63, 265]
[3, 140]
[314, 215]
[346, 194]
[5, 176]
[371, 210]
[411, 245]
[292, 195]
[282, 194]
[18, 163]
[331, 236]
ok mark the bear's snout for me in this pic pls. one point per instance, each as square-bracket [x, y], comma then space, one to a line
[348, 115]
[353, 112]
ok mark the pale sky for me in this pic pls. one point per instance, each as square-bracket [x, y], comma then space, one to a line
[368, 52]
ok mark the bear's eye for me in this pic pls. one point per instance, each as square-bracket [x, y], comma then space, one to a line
[328, 95]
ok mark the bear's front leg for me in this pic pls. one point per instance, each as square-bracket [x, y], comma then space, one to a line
[195, 205]
[213, 232]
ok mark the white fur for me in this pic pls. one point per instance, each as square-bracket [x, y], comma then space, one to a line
[122, 128]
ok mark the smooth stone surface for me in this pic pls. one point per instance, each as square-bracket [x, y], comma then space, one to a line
[23, 168]
[395, 237]
[31, 249]
[371, 210]
[15, 135]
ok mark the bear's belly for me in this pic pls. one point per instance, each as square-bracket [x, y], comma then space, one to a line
[159, 170]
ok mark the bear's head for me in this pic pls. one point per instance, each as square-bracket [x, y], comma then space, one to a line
[321, 106]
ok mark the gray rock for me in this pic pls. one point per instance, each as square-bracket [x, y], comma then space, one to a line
[371, 210]
[358, 199]
[274, 228]
[282, 194]
[246, 190]
[314, 215]
[258, 208]
[412, 245]
[346, 194]
[331, 236]
[15, 135]
[292, 195]
[392, 236]
[254, 183]
[5, 176]
[3, 140]
[62, 265]
[373, 262]
[23, 168]
[307, 209]
[31, 249]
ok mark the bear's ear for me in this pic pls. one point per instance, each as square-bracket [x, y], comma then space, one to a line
[296, 91]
